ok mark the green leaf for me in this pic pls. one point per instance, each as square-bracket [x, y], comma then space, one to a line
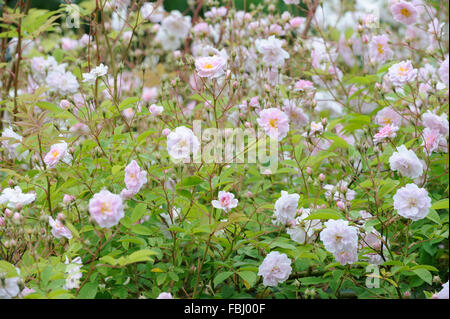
[325, 213]
[88, 291]
[191, 181]
[221, 277]
[441, 204]
[141, 230]
[249, 277]
[127, 102]
[433, 216]
[424, 274]
[138, 212]
[138, 256]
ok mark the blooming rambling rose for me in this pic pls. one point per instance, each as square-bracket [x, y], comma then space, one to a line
[149, 94]
[95, 73]
[275, 269]
[412, 202]
[58, 229]
[379, 50]
[58, 152]
[435, 122]
[135, 178]
[210, 66]
[401, 73]
[14, 198]
[10, 145]
[406, 162]
[405, 12]
[432, 140]
[182, 142]
[106, 208]
[341, 240]
[303, 85]
[156, 110]
[274, 122]
[272, 51]
[296, 115]
[226, 201]
[301, 230]
[387, 116]
[388, 131]
[286, 207]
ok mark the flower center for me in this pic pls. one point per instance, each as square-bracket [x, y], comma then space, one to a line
[402, 70]
[412, 202]
[405, 12]
[273, 123]
[208, 65]
[380, 48]
[105, 208]
[55, 154]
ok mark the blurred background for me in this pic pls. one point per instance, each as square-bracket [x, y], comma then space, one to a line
[169, 5]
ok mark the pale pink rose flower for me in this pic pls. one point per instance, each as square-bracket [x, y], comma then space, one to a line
[303, 85]
[275, 29]
[274, 122]
[106, 208]
[165, 295]
[379, 49]
[226, 201]
[58, 229]
[68, 44]
[156, 110]
[431, 140]
[296, 22]
[201, 28]
[341, 240]
[2, 221]
[135, 178]
[292, 1]
[388, 116]
[210, 66]
[128, 113]
[275, 269]
[406, 162]
[404, 12]
[272, 51]
[412, 202]
[149, 94]
[67, 199]
[435, 122]
[65, 104]
[286, 208]
[126, 194]
[296, 115]
[388, 131]
[58, 152]
[347, 256]
[166, 132]
[182, 142]
[401, 73]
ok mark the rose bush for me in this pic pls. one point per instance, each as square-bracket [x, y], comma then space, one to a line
[108, 188]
